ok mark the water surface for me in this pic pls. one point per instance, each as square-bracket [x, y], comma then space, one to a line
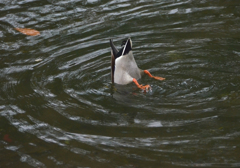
[58, 107]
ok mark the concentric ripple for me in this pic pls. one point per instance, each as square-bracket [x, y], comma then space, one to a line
[58, 107]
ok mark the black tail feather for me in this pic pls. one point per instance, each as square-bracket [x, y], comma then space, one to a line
[114, 49]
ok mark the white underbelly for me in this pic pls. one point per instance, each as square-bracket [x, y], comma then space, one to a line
[125, 70]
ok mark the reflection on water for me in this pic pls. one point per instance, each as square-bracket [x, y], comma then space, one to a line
[58, 107]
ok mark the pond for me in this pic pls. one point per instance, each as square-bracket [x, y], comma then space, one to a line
[58, 107]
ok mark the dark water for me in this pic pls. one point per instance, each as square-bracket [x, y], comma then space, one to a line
[63, 111]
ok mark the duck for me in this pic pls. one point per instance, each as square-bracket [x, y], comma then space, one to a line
[124, 68]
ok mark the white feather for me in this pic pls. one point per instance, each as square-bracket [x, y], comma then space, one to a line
[126, 69]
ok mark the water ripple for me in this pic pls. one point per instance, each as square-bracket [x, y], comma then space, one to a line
[59, 108]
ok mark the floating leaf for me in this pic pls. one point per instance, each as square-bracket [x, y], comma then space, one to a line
[29, 32]
[6, 138]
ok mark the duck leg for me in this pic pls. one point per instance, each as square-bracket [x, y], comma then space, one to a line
[146, 87]
[150, 75]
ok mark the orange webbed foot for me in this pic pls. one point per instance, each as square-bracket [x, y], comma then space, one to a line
[146, 87]
[158, 78]
[150, 75]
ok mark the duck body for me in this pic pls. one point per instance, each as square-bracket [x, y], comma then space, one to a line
[124, 69]
[124, 66]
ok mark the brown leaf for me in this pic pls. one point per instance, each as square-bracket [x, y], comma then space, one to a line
[29, 32]
[6, 138]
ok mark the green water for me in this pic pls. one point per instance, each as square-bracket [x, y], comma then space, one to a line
[58, 107]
